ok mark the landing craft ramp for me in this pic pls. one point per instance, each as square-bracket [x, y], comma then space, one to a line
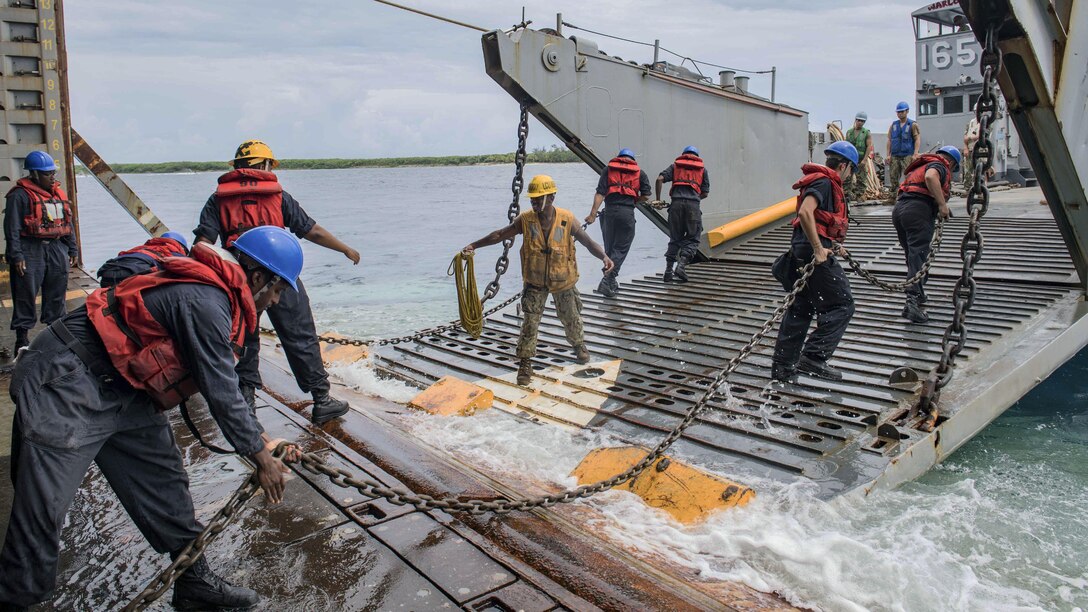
[658, 346]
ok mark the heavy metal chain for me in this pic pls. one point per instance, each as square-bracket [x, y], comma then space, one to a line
[978, 201]
[503, 263]
[192, 553]
[934, 247]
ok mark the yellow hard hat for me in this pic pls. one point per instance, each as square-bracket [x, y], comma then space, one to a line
[541, 185]
[254, 152]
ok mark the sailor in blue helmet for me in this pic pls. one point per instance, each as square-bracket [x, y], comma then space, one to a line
[690, 184]
[41, 245]
[143, 258]
[621, 186]
[923, 197]
[95, 385]
[821, 222]
[251, 196]
[904, 144]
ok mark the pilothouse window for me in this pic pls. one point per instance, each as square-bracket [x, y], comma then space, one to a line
[953, 105]
[927, 106]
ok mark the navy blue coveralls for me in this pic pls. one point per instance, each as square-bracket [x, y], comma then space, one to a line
[46, 267]
[826, 296]
[914, 217]
[685, 217]
[123, 266]
[618, 219]
[291, 317]
[67, 416]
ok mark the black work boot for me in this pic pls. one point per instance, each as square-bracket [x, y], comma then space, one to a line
[914, 312]
[21, 340]
[668, 270]
[681, 273]
[327, 408]
[605, 288]
[199, 588]
[525, 371]
[581, 354]
[250, 395]
[613, 283]
[783, 372]
[818, 369]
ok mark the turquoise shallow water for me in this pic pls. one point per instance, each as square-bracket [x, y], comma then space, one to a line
[1000, 525]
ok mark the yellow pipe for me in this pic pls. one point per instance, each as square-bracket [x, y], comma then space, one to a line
[754, 221]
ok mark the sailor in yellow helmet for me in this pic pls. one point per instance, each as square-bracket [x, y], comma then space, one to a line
[548, 265]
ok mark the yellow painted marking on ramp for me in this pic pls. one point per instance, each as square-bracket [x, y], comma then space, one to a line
[342, 353]
[688, 494]
[72, 294]
[552, 395]
[453, 396]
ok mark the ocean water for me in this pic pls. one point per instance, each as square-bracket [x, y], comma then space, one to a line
[1001, 525]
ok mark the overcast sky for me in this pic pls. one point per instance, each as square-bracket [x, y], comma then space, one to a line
[190, 79]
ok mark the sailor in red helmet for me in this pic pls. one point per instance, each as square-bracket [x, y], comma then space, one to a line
[621, 186]
[251, 196]
[923, 196]
[822, 220]
[142, 259]
[41, 245]
[690, 185]
[95, 385]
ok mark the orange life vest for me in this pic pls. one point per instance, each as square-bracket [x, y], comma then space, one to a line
[688, 170]
[140, 348]
[623, 177]
[247, 199]
[39, 223]
[157, 249]
[830, 225]
[914, 177]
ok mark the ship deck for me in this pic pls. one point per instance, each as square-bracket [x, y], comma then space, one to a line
[656, 347]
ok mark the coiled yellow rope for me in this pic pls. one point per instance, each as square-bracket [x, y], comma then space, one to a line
[468, 297]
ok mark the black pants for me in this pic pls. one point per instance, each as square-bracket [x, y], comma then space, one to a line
[294, 324]
[914, 222]
[618, 232]
[65, 419]
[685, 229]
[827, 297]
[47, 272]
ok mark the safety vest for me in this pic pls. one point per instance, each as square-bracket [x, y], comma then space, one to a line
[623, 177]
[156, 250]
[914, 177]
[247, 199]
[902, 137]
[688, 170]
[552, 263]
[859, 138]
[140, 348]
[50, 214]
[830, 225]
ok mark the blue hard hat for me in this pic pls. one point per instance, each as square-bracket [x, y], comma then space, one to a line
[692, 150]
[178, 237]
[844, 149]
[902, 106]
[954, 153]
[276, 249]
[626, 153]
[39, 161]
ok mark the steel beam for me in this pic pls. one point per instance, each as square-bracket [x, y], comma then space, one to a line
[117, 187]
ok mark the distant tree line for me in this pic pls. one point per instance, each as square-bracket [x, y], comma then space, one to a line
[552, 155]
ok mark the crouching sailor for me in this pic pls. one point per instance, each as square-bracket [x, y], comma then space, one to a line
[548, 265]
[94, 387]
[821, 220]
[142, 259]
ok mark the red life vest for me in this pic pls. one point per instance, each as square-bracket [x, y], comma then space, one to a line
[248, 199]
[914, 177]
[140, 348]
[157, 249]
[38, 223]
[623, 177]
[688, 170]
[829, 225]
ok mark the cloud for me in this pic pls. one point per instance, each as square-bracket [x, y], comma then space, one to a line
[359, 79]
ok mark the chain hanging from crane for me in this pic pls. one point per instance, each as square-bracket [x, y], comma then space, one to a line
[978, 201]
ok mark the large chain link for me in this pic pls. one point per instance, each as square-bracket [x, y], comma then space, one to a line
[978, 201]
[934, 247]
[503, 263]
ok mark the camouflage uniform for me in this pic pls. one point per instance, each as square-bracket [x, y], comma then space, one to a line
[855, 186]
[568, 305]
[896, 166]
